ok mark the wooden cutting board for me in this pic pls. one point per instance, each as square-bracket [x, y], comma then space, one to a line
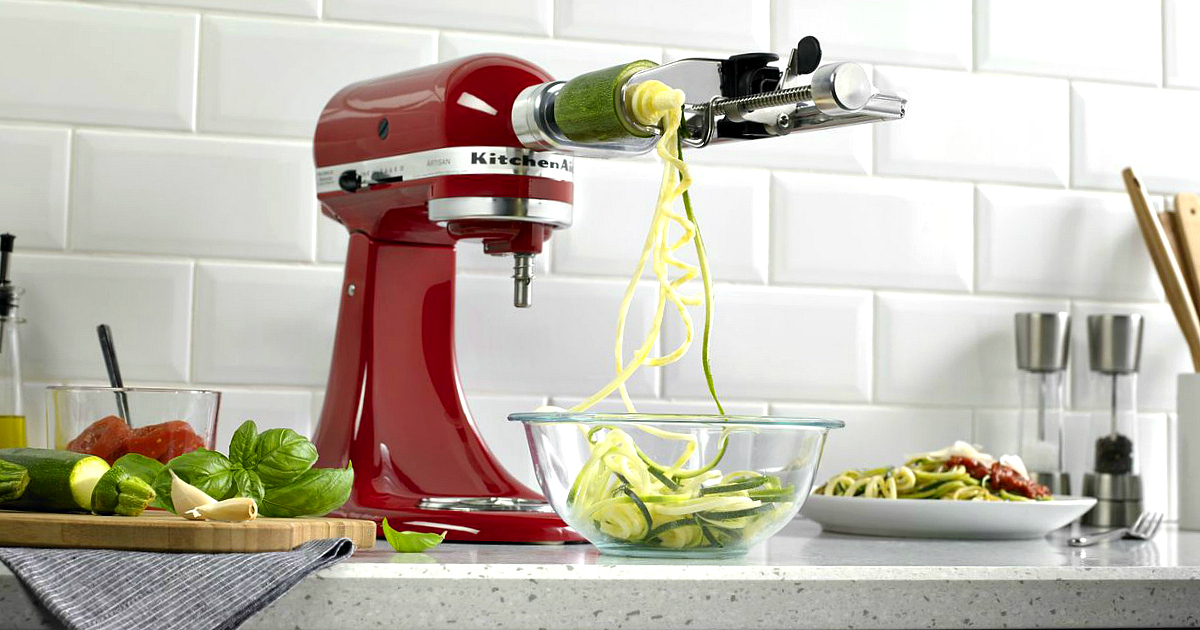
[162, 531]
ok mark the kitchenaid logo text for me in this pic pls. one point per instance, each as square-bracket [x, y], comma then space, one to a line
[482, 157]
[443, 162]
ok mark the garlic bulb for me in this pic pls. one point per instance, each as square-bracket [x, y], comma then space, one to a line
[187, 497]
[237, 509]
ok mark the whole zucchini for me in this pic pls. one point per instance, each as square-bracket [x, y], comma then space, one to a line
[59, 481]
[13, 480]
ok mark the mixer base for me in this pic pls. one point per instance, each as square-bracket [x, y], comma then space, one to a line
[468, 526]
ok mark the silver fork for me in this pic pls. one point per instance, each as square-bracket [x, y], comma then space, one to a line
[1144, 528]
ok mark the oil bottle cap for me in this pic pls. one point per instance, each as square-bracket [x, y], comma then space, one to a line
[8, 292]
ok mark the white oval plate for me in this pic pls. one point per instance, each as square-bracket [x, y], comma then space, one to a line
[924, 518]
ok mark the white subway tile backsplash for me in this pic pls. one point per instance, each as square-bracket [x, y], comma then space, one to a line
[880, 436]
[739, 27]
[1160, 146]
[1057, 242]
[506, 440]
[146, 302]
[1071, 38]
[996, 431]
[264, 324]
[777, 344]
[1164, 356]
[942, 137]
[912, 32]
[303, 8]
[1180, 25]
[561, 59]
[949, 350]
[871, 232]
[516, 16]
[85, 64]
[174, 194]
[274, 78]
[332, 240]
[269, 409]
[614, 202]
[563, 345]
[33, 184]
[844, 150]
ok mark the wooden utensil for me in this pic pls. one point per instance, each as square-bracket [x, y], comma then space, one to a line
[1187, 218]
[160, 531]
[1169, 220]
[1169, 271]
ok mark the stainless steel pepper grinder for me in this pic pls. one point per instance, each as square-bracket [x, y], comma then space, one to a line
[1115, 350]
[1042, 350]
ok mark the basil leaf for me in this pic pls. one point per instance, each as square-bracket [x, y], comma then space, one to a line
[241, 447]
[208, 470]
[411, 542]
[316, 492]
[247, 484]
[281, 455]
[139, 466]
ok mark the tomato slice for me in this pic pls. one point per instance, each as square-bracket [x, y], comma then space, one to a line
[103, 438]
[165, 440]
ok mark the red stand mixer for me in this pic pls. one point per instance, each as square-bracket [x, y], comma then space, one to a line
[471, 149]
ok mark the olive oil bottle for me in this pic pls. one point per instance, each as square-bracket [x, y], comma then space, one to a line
[12, 414]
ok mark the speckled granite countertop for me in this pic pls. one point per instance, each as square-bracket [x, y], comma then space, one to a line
[802, 578]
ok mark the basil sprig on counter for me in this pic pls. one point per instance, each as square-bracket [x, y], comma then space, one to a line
[273, 467]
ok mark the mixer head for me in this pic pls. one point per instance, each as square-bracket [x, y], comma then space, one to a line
[482, 147]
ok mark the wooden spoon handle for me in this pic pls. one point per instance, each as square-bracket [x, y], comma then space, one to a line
[1169, 271]
[1187, 217]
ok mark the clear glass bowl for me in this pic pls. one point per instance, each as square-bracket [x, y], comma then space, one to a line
[655, 485]
[161, 423]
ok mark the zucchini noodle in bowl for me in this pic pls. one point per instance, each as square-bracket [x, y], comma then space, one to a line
[661, 485]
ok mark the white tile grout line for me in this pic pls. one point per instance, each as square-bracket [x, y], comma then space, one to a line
[195, 124]
[68, 194]
[194, 280]
[1164, 50]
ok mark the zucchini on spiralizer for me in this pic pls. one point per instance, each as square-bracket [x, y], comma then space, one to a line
[59, 481]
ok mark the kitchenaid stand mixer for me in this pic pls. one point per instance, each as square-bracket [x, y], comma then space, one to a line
[472, 149]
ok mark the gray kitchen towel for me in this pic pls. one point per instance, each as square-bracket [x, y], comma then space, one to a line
[103, 589]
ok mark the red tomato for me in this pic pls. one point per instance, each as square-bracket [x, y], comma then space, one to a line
[104, 438]
[165, 440]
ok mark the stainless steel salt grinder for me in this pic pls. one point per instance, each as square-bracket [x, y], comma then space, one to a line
[1115, 351]
[1042, 349]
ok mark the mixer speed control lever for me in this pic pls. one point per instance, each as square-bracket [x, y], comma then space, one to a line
[350, 181]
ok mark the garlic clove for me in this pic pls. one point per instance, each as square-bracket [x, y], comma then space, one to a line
[235, 510]
[187, 497]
